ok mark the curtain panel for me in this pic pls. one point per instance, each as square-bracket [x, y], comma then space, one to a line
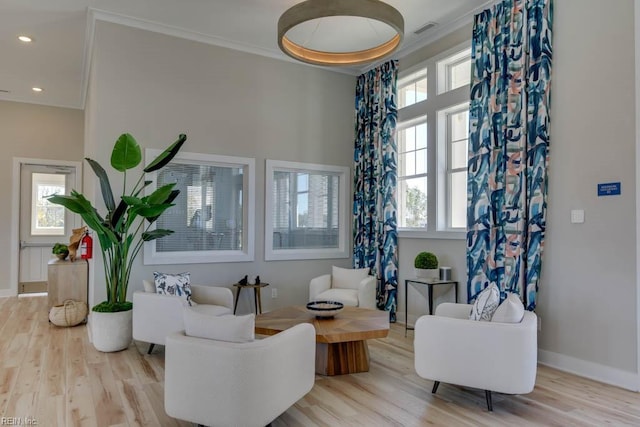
[375, 177]
[509, 147]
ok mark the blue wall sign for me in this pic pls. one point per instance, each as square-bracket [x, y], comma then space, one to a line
[609, 189]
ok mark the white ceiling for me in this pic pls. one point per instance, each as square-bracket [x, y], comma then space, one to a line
[63, 32]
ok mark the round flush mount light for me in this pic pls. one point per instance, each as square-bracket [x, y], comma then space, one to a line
[37, 89]
[340, 32]
[25, 39]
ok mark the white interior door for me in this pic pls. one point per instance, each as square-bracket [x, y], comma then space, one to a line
[41, 223]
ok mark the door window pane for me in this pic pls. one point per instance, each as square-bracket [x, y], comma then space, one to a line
[47, 219]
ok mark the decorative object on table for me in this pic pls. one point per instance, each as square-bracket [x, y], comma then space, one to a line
[60, 250]
[257, 280]
[122, 232]
[426, 265]
[244, 281]
[445, 273]
[74, 241]
[70, 313]
[257, 294]
[324, 309]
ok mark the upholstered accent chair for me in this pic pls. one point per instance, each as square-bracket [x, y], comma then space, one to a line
[219, 383]
[352, 287]
[492, 356]
[156, 316]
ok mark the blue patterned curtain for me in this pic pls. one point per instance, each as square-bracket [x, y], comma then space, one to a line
[375, 238]
[509, 147]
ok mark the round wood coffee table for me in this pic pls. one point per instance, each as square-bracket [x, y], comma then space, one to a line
[341, 346]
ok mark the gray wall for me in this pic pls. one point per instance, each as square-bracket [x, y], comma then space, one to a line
[32, 131]
[587, 298]
[228, 103]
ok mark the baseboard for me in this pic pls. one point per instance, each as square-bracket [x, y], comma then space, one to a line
[5, 293]
[595, 371]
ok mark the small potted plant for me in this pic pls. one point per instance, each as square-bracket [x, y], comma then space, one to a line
[426, 265]
[60, 250]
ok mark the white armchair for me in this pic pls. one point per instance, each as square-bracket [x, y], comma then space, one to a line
[352, 287]
[217, 383]
[156, 316]
[500, 357]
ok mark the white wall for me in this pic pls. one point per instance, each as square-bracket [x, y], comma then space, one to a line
[228, 103]
[31, 131]
[588, 291]
[587, 298]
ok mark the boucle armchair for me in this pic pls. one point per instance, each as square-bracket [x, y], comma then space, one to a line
[352, 287]
[218, 383]
[491, 356]
[156, 316]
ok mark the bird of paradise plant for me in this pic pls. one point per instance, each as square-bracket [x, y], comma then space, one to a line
[125, 227]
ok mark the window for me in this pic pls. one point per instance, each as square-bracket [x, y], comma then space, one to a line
[305, 211]
[412, 175]
[454, 71]
[432, 135]
[213, 215]
[412, 88]
[457, 147]
[47, 219]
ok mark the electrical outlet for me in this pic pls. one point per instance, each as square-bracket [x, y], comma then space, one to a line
[274, 293]
[539, 323]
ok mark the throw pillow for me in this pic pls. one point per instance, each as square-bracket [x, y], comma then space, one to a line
[178, 285]
[486, 304]
[347, 278]
[221, 328]
[510, 310]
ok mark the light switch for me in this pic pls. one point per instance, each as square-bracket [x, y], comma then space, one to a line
[577, 216]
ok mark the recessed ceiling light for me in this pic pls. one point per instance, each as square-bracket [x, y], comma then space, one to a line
[25, 39]
[36, 89]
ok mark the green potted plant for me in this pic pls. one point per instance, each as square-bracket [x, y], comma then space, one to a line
[60, 250]
[426, 265]
[121, 233]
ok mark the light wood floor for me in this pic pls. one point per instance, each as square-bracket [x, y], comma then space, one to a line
[55, 376]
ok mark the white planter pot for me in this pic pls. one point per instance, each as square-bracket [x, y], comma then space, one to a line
[422, 273]
[111, 331]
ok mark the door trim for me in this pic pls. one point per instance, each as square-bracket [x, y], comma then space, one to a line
[15, 212]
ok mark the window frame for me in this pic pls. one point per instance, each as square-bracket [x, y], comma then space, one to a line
[405, 125]
[343, 249]
[444, 145]
[153, 257]
[432, 108]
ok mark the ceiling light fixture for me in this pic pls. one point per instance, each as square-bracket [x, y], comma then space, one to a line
[37, 89]
[321, 10]
[25, 39]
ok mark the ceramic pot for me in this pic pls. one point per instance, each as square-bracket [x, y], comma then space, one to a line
[423, 273]
[111, 331]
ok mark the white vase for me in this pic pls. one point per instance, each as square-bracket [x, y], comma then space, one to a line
[111, 331]
[423, 273]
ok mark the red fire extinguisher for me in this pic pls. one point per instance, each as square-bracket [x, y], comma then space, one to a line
[86, 246]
